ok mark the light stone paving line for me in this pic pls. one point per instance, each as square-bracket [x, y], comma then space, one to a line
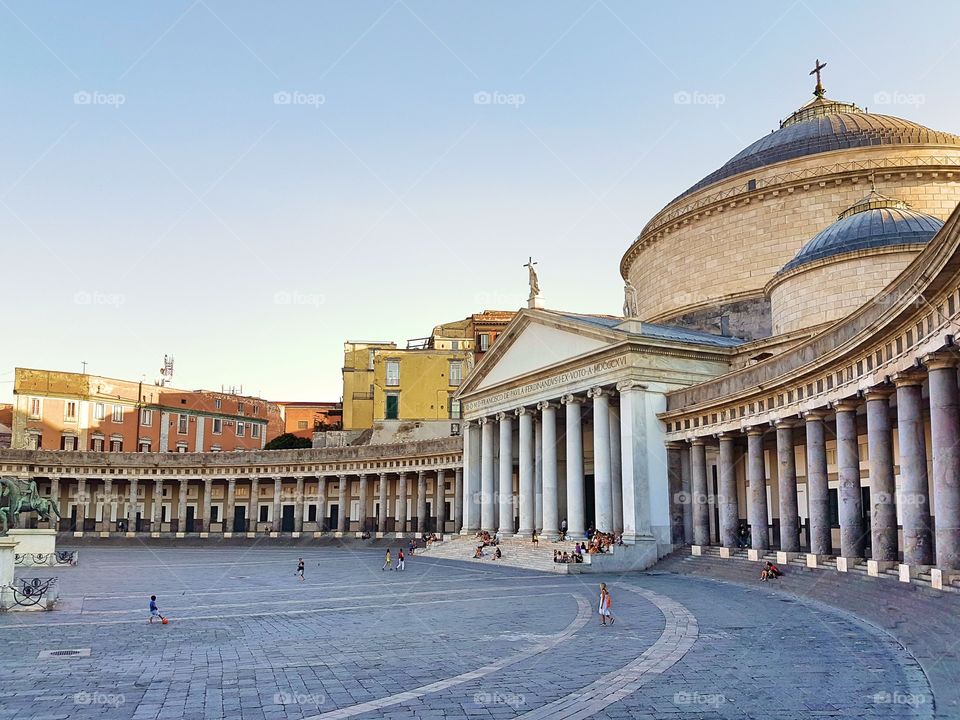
[261, 613]
[582, 618]
[679, 634]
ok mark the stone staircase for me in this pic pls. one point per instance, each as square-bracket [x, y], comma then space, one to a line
[859, 568]
[516, 553]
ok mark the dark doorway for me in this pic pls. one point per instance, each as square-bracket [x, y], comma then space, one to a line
[334, 516]
[138, 523]
[589, 503]
[73, 518]
[286, 524]
[431, 523]
[716, 507]
[191, 513]
[393, 407]
[240, 518]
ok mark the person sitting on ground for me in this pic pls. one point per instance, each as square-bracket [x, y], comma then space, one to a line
[556, 556]
[478, 553]
[770, 571]
[566, 557]
[535, 539]
[497, 554]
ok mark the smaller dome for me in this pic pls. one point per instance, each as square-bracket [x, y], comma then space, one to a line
[874, 222]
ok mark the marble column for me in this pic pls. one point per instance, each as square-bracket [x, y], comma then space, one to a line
[402, 502]
[787, 480]
[277, 504]
[686, 496]
[603, 493]
[363, 502]
[537, 472]
[253, 502]
[382, 497]
[110, 505]
[944, 439]
[883, 488]
[440, 503]
[298, 507]
[322, 503]
[55, 496]
[616, 469]
[818, 492]
[698, 479]
[207, 500]
[458, 500]
[488, 520]
[576, 501]
[231, 504]
[343, 499]
[527, 497]
[182, 487]
[131, 506]
[727, 500]
[551, 508]
[421, 501]
[757, 482]
[674, 451]
[471, 479]
[505, 495]
[852, 540]
[156, 513]
[635, 438]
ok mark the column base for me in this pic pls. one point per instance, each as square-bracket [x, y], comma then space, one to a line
[696, 550]
[784, 557]
[251, 535]
[296, 533]
[940, 577]
[130, 534]
[813, 560]
[523, 534]
[753, 554]
[181, 535]
[550, 535]
[726, 553]
[204, 535]
[78, 533]
[228, 534]
[399, 535]
[876, 567]
[154, 534]
[846, 564]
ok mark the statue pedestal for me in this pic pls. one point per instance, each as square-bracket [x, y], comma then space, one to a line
[7, 550]
[38, 547]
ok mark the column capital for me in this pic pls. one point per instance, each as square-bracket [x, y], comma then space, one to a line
[501, 416]
[676, 445]
[756, 430]
[485, 420]
[908, 378]
[546, 405]
[698, 441]
[816, 414]
[784, 423]
[342, 477]
[421, 474]
[941, 359]
[383, 475]
[628, 385]
[571, 399]
[847, 405]
[878, 392]
[599, 392]
[523, 411]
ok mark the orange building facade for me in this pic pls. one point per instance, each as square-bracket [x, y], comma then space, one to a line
[55, 410]
[304, 418]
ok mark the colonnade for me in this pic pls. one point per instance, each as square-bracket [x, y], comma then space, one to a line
[893, 415]
[528, 469]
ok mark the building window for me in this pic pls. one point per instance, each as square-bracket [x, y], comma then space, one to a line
[116, 445]
[256, 409]
[181, 447]
[98, 411]
[454, 406]
[70, 410]
[371, 356]
[454, 344]
[301, 425]
[217, 403]
[36, 408]
[146, 417]
[214, 514]
[182, 424]
[393, 373]
[118, 413]
[215, 448]
[255, 430]
[264, 513]
[240, 429]
[144, 446]
[240, 408]
[96, 444]
[393, 406]
[483, 340]
[217, 426]
[456, 372]
[68, 442]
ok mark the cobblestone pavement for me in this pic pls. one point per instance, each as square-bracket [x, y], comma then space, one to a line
[248, 640]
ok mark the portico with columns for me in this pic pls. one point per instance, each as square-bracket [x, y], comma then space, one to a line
[560, 425]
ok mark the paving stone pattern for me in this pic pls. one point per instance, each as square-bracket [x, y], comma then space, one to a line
[443, 639]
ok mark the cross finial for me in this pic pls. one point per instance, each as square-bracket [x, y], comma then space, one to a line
[818, 91]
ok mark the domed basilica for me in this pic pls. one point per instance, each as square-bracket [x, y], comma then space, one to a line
[785, 369]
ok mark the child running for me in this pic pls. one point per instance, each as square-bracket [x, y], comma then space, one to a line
[154, 609]
[300, 569]
[605, 604]
[401, 564]
[388, 562]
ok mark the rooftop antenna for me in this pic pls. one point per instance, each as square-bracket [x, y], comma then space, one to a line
[84, 363]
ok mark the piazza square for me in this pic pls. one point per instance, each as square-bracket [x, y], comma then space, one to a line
[675, 428]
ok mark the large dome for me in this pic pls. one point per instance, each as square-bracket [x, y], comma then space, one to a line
[875, 222]
[821, 126]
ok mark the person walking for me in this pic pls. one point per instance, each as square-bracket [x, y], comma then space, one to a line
[388, 563]
[154, 610]
[605, 605]
[401, 564]
[300, 569]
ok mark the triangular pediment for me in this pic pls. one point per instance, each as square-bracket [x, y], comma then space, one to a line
[530, 345]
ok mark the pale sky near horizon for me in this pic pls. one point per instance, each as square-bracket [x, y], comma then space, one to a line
[248, 185]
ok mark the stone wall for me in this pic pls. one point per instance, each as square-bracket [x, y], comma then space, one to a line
[748, 319]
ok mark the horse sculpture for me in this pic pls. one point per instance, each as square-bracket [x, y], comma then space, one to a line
[21, 496]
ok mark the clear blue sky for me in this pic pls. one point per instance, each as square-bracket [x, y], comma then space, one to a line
[158, 196]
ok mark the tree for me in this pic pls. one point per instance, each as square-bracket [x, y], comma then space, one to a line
[288, 441]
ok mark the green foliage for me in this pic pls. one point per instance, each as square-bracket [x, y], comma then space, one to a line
[288, 441]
